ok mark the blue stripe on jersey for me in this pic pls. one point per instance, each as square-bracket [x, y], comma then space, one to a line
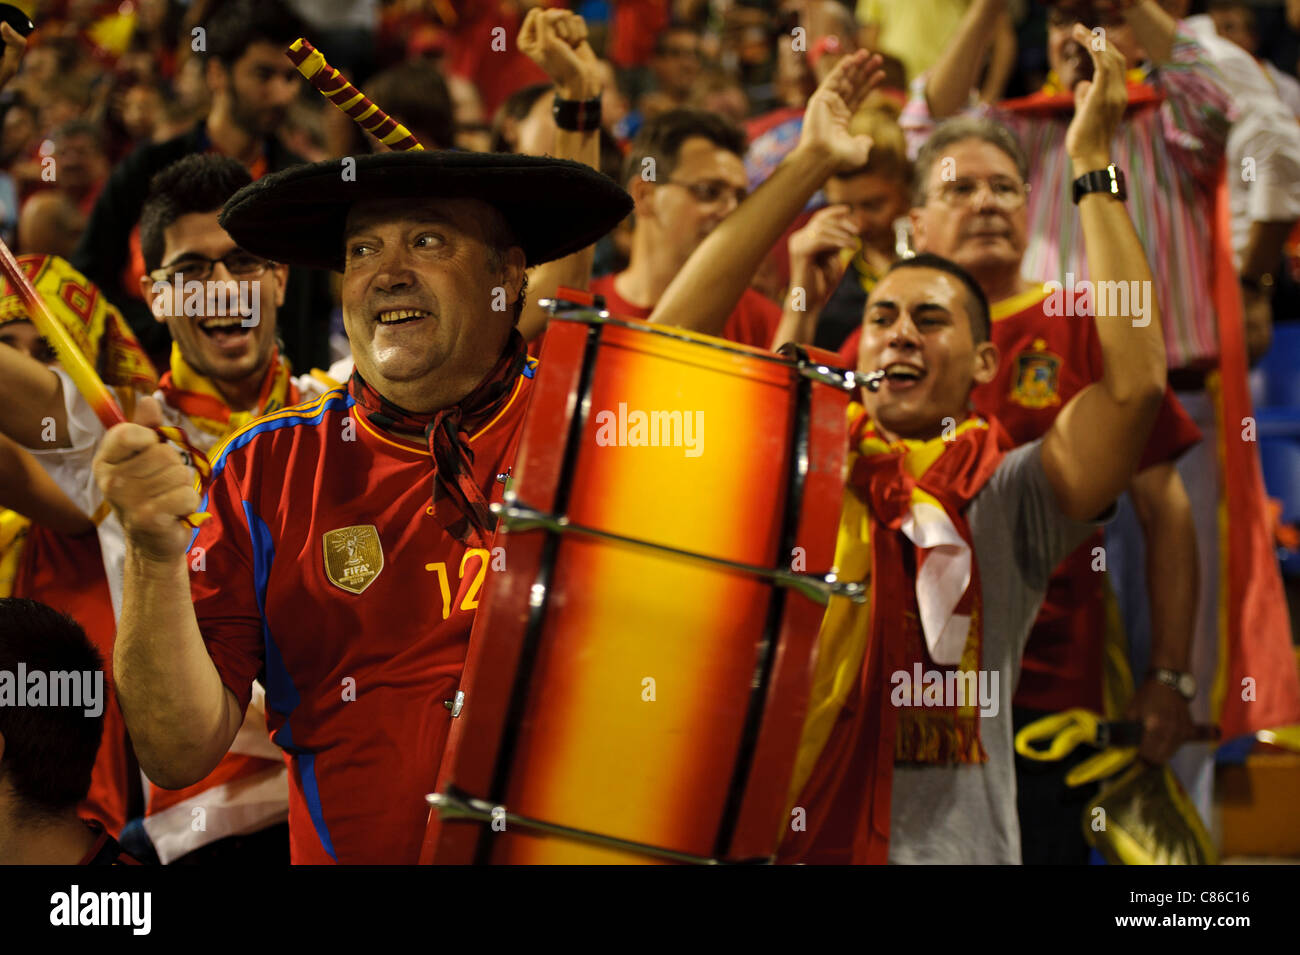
[281, 695]
[311, 792]
[273, 422]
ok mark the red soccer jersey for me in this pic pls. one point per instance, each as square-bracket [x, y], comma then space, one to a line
[752, 322]
[324, 567]
[1044, 361]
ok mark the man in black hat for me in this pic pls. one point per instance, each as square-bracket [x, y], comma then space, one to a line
[350, 537]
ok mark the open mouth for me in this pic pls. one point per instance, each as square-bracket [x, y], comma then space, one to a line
[401, 316]
[900, 375]
[225, 330]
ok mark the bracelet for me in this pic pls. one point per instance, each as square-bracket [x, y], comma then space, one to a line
[577, 115]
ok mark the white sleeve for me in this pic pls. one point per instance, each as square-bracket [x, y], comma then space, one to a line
[70, 467]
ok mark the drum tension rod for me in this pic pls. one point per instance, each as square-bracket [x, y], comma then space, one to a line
[816, 587]
[454, 804]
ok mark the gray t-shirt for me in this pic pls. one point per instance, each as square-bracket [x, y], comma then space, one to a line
[967, 813]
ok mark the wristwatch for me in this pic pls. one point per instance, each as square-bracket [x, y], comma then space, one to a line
[1184, 683]
[1109, 180]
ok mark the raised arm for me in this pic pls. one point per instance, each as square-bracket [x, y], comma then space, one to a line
[816, 267]
[1093, 448]
[1152, 27]
[709, 285]
[1165, 514]
[181, 717]
[556, 40]
[31, 401]
[953, 76]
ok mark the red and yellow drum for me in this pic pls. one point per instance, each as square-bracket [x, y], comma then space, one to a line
[638, 673]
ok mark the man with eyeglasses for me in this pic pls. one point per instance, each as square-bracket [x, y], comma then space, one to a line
[220, 305]
[252, 85]
[686, 173]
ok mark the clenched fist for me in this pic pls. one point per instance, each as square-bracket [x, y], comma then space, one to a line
[148, 486]
[556, 40]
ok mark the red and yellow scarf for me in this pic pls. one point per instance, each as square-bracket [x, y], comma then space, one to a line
[196, 396]
[902, 526]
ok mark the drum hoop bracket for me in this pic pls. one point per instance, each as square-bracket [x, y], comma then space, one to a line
[455, 804]
[819, 588]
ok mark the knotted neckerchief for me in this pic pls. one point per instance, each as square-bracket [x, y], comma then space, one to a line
[196, 396]
[903, 525]
[448, 434]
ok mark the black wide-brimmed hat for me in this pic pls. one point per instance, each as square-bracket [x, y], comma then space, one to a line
[297, 216]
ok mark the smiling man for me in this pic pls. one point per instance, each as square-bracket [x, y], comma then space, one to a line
[349, 538]
[225, 371]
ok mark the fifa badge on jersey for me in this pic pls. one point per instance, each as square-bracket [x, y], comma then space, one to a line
[353, 557]
[1036, 381]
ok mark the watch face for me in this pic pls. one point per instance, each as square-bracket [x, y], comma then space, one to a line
[1187, 685]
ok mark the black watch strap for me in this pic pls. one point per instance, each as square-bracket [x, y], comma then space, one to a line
[577, 115]
[1109, 180]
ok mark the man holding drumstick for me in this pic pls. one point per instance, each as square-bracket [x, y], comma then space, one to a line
[348, 539]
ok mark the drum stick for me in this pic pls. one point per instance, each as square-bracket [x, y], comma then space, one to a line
[310, 62]
[95, 392]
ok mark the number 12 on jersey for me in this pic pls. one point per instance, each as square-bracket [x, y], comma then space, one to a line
[470, 602]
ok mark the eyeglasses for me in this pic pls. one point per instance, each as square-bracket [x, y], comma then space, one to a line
[1007, 193]
[199, 267]
[711, 190]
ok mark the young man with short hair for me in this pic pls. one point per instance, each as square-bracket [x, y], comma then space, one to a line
[252, 85]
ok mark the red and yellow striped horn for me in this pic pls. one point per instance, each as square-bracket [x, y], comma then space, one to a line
[335, 88]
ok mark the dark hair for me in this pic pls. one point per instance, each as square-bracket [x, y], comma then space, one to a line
[238, 24]
[516, 107]
[957, 130]
[415, 94]
[49, 750]
[661, 139]
[201, 182]
[977, 308]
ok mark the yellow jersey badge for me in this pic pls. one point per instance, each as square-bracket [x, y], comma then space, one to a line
[1037, 377]
[353, 557]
